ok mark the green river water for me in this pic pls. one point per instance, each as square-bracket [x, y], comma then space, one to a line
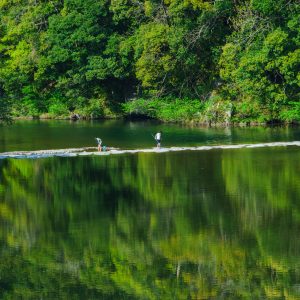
[215, 224]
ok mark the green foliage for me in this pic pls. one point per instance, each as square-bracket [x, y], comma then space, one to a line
[292, 112]
[165, 109]
[31, 103]
[119, 50]
[217, 111]
[249, 111]
[58, 109]
[94, 109]
[5, 111]
[264, 71]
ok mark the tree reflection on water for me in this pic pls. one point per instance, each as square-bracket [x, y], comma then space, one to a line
[215, 224]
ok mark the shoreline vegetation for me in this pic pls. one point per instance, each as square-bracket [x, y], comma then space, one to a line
[136, 117]
[206, 62]
[182, 111]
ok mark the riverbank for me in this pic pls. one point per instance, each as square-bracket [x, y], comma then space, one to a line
[214, 112]
[136, 117]
[192, 123]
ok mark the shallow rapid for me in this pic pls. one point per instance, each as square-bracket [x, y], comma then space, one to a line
[87, 151]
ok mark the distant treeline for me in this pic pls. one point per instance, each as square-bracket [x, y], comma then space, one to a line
[212, 61]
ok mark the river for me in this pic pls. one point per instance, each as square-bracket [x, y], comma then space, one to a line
[212, 224]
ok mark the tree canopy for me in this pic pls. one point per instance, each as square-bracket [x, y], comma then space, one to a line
[88, 56]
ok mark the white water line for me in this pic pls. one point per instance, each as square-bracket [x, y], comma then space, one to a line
[88, 151]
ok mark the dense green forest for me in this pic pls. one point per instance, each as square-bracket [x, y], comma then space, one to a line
[208, 61]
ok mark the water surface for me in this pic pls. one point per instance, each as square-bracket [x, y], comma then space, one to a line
[50, 134]
[217, 224]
